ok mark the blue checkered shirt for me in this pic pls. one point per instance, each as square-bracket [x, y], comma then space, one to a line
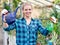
[27, 34]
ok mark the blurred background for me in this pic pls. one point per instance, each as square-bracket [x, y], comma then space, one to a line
[43, 10]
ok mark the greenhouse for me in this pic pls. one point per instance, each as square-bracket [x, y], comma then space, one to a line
[48, 11]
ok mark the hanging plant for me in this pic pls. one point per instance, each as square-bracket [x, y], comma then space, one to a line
[6, 6]
[15, 3]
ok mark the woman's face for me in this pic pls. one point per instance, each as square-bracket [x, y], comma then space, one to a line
[27, 10]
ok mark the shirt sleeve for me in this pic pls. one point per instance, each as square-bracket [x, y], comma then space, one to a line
[10, 27]
[41, 29]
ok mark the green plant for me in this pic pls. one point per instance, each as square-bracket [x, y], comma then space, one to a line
[6, 6]
[54, 12]
[56, 27]
[57, 1]
[15, 3]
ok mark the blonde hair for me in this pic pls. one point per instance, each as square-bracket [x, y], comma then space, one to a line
[26, 3]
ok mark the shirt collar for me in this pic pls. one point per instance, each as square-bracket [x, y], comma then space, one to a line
[31, 19]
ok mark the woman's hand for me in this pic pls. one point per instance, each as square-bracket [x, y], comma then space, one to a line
[5, 25]
[53, 19]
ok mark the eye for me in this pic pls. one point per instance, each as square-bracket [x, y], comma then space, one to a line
[29, 9]
[26, 9]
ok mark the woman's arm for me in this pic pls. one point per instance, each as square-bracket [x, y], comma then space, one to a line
[42, 30]
[7, 27]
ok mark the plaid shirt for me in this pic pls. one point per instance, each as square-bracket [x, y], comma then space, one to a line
[27, 34]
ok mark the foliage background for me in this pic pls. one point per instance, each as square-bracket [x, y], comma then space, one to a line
[43, 16]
